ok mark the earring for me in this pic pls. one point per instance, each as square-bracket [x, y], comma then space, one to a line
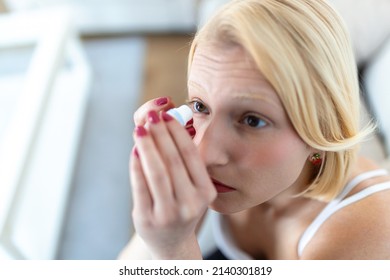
[316, 159]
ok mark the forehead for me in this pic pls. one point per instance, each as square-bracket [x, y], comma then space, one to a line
[229, 70]
[228, 64]
[219, 56]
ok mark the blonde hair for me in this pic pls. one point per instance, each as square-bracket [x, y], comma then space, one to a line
[303, 49]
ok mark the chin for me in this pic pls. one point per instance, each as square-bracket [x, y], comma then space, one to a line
[226, 208]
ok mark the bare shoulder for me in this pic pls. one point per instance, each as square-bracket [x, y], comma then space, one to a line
[360, 230]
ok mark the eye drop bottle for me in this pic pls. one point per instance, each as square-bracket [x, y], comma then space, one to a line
[182, 114]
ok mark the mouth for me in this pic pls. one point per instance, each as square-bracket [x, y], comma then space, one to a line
[222, 188]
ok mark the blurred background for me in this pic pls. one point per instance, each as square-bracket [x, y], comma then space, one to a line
[72, 73]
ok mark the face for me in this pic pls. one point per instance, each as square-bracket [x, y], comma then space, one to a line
[243, 133]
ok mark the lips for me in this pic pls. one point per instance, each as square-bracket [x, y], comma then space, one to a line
[222, 188]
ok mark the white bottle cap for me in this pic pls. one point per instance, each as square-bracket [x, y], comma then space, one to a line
[182, 114]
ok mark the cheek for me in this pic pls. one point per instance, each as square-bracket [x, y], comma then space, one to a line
[200, 126]
[275, 152]
[290, 147]
[282, 159]
[288, 151]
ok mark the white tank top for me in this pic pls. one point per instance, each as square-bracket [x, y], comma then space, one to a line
[227, 246]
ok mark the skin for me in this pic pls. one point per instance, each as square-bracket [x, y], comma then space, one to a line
[244, 140]
[237, 103]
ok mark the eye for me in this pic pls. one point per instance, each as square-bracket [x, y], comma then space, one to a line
[254, 122]
[198, 107]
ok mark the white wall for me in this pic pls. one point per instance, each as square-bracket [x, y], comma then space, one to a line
[110, 16]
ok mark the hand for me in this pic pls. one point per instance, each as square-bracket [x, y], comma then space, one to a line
[159, 104]
[171, 187]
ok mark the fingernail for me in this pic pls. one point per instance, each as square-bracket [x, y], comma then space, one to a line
[153, 117]
[191, 131]
[190, 122]
[140, 131]
[135, 152]
[161, 101]
[166, 117]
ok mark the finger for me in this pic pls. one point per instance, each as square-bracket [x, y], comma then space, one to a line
[189, 200]
[142, 200]
[190, 156]
[157, 104]
[154, 169]
[173, 161]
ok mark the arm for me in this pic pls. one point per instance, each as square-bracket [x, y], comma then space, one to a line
[135, 250]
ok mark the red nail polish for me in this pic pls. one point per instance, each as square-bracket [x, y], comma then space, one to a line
[166, 117]
[161, 101]
[191, 131]
[153, 117]
[190, 122]
[140, 131]
[135, 152]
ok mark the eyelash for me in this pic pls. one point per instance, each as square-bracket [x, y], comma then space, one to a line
[193, 103]
[258, 119]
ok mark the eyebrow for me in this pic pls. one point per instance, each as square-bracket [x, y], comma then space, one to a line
[243, 95]
[258, 97]
[196, 85]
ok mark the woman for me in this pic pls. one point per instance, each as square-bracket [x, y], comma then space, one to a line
[275, 95]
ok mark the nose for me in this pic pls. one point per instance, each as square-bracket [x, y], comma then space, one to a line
[213, 141]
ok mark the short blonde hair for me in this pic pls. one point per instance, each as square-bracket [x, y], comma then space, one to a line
[303, 49]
